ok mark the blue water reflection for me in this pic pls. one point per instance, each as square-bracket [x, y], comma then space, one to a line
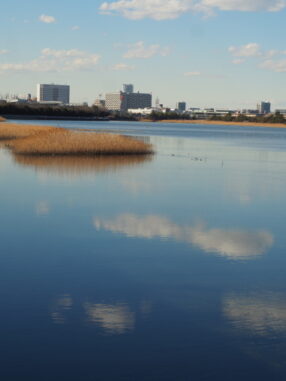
[169, 267]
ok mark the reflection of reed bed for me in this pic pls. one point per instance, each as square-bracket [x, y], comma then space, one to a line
[65, 142]
[79, 164]
[10, 131]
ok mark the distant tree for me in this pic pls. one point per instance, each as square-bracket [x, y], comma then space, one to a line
[241, 118]
[228, 117]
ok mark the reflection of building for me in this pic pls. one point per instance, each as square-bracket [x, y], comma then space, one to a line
[53, 93]
[123, 101]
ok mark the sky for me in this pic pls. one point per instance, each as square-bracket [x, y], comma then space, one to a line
[209, 53]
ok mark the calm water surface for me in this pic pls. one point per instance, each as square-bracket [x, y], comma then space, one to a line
[165, 268]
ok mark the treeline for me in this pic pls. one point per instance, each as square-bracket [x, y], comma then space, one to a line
[170, 115]
[273, 118]
[49, 110]
[42, 111]
[269, 118]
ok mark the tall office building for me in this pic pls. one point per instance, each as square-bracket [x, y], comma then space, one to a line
[123, 101]
[128, 88]
[181, 106]
[265, 108]
[116, 101]
[53, 93]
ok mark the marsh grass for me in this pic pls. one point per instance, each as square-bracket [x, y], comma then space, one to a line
[9, 131]
[60, 142]
[77, 165]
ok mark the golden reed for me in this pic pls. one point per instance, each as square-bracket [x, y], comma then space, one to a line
[53, 141]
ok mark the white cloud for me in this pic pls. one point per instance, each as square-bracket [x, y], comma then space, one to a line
[248, 50]
[139, 50]
[234, 244]
[244, 52]
[171, 9]
[115, 319]
[238, 61]
[75, 27]
[56, 61]
[279, 66]
[3, 51]
[246, 5]
[139, 9]
[63, 53]
[122, 67]
[261, 314]
[47, 19]
[192, 74]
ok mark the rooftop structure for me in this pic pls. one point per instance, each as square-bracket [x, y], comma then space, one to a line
[128, 88]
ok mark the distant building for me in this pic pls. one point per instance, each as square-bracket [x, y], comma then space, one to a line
[250, 111]
[53, 93]
[141, 111]
[264, 108]
[116, 101]
[139, 100]
[281, 111]
[50, 103]
[17, 100]
[181, 106]
[99, 103]
[128, 88]
[123, 101]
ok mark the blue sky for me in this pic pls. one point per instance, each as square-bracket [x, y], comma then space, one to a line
[222, 53]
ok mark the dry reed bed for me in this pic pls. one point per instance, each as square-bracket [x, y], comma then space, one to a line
[65, 142]
[10, 131]
[78, 165]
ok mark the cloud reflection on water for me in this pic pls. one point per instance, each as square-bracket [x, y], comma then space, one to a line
[42, 208]
[260, 313]
[115, 319]
[234, 244]
[63, 304]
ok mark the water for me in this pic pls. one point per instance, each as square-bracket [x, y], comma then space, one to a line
[164, 268]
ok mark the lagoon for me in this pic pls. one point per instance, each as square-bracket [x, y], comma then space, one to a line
[165, 268]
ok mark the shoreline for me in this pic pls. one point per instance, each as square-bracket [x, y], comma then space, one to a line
[217, 122]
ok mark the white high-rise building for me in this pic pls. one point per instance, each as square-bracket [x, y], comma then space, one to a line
[123, 101]
[53, 93]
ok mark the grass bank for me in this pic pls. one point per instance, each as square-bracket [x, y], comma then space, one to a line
[53, 141]
[9, 131]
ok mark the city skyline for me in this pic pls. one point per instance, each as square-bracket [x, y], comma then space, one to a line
[207, 53]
